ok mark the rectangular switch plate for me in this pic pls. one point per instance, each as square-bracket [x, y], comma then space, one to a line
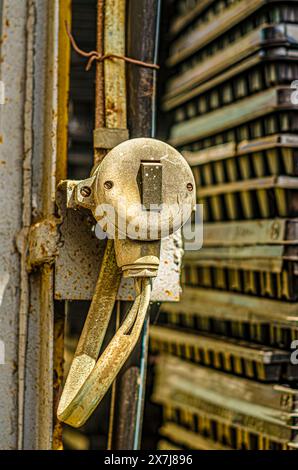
[80, 253]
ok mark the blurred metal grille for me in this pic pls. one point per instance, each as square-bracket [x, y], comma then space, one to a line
[82, 92]
[228, 102]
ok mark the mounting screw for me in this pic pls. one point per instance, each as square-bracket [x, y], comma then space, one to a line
[108, 184]
[189, 187]
[85, 191]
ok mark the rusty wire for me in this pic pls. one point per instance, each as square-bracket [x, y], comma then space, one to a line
[94, 55]
[99, 95]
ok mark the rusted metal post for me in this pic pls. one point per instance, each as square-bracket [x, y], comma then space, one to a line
[99, 82]
[142, 44]
[110, 100]
[13, 75]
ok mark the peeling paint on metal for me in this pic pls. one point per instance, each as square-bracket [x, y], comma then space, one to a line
[4, 278]
[79, 258]
[13, 51]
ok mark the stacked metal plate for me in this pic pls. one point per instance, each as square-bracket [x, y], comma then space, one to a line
[227, 373]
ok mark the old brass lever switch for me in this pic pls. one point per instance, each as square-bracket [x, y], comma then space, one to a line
[139, 194]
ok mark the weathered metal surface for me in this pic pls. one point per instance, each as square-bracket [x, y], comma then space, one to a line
[225, 306]
[104, 162]
[228, 102]
[264, 253]
[64, 57]
[262, 410]
[239, 357]
[189, 439]
[106, 380]
[110, 99]
[48, 208]
[241, 180]
[258, 157]
[151, 179]
[266, 197]
[233, 115]
[114, 70]
[268, 396]
[100, 117]
[79, 256]
[197, 38]
[32, 390]
[279, 285]
[22, 239]
[105, 138]
[26, 95]
[120, 168]
[142, 43]
[271, 323]
[80, 252]
[126, 408]
[1, 9]
[256, 258]
[264, 60]
[122, 164]
[43, 242]
[253, 232]
[101, 308]
[166, 286]
[183, 87]
[13, 71]
[189, 15]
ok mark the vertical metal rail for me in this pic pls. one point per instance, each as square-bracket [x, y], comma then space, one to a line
[26, 222]
[32, 52]
[64, 57]
[53, 169]
[100, 120]
[110, 100]
[46, 300]
[13, 74]
[142, 44]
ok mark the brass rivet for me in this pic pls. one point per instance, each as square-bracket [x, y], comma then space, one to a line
[108, 184]
[85, 191]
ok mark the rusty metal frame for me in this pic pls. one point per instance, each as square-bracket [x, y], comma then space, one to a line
[33, 51]
[48, 165]
[13, 74]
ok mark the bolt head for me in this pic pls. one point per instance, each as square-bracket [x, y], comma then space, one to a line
[108, 184]
[85, 191]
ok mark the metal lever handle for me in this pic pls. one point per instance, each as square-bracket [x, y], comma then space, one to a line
[88, 380]
[131, 177]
